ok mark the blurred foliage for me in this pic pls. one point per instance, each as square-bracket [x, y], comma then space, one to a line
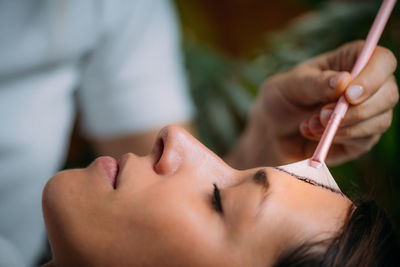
[223, 89]
[236, 27]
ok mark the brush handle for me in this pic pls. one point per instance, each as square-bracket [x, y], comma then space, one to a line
[342, 105]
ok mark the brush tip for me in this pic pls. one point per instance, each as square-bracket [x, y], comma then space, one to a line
[315, 164]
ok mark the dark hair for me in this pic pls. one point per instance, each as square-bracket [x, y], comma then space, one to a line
[367, 238]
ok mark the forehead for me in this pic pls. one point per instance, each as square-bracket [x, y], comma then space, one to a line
[295, 211]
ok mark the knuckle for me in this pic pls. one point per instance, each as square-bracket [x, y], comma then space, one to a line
[321, 80]
[270, 81]
[369, 143]
[385, 121]
[393, 96]
[273, 80]
[387, 56]
[349, 53]
[375, 139]
[264, 85]
[297, 73]
[299, 68]
[358, 43]
[347, 131]
[306, 76]
[355, 44]
[358, 114]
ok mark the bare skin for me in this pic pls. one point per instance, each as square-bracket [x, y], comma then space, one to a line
[288, 119]
[288, 116]
[161, 211]
[91, 224]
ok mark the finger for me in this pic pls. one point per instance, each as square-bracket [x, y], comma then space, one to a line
[363, 143]
[375, 125]
[340, 152]
[315, 126]
[379, 68]
[348, 151]
[356, 147]
[340, 59]
[305, 131]
[383, 100]
[311, 86]
[315, 134]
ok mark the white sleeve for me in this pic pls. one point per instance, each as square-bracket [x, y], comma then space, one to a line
[134, 80]
[9, 255]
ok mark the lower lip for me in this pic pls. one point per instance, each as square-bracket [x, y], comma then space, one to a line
[110, 167]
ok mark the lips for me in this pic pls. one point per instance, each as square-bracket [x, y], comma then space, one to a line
[113, 169]
[110, 168]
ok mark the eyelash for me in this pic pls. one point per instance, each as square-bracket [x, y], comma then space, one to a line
[216, 200]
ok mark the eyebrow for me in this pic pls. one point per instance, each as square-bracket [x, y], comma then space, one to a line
[310, 181]
[260, 177]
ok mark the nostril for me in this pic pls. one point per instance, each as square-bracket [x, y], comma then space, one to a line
[158, 150]
[167, 151]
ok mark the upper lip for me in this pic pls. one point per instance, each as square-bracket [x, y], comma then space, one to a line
[157, 152]
[121, 163]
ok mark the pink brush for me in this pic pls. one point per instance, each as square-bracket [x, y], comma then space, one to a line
[341, 107]
[312, 167]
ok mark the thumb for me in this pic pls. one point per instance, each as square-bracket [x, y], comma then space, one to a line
[312, 86]
[378, 70]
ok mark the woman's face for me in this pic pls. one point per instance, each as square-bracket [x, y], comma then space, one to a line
[164, 210]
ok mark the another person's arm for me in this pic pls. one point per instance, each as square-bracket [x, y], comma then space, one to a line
[133, 83]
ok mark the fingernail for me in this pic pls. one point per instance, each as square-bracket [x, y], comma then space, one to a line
[354, 92]
[335, 80]
[325, 115]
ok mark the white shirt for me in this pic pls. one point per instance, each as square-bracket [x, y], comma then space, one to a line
[119, 59]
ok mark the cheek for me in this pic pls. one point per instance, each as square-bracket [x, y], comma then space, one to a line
[73, 220]
[58, 196]
[165, 227]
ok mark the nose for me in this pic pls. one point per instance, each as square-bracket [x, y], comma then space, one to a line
[176, 149]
